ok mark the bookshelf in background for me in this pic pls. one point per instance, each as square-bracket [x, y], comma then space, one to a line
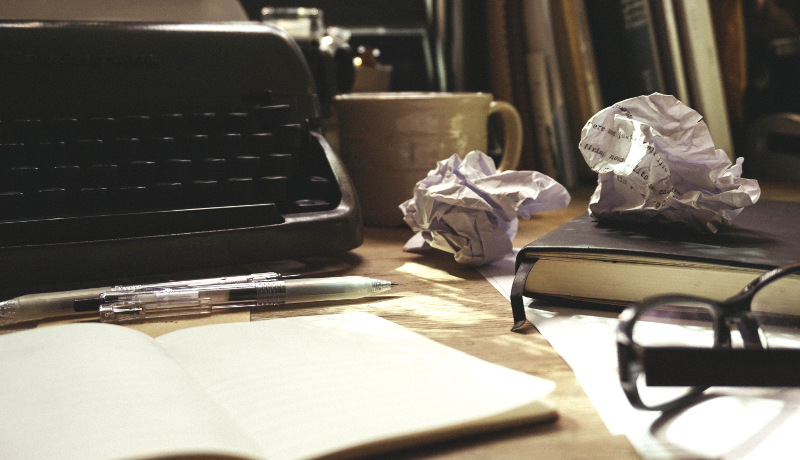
[669, 49]
[701, 61]
[525, 71]
[771, 106]
[578, 73]
[516, 33]
[646, 46]
[692, 49]
[624, 42]
[508, 74]
[553, 128]
[729, 31]
[727, 59]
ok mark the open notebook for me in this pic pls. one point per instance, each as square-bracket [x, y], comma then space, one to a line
[292, 388]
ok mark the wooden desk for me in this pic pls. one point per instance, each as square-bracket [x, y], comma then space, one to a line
[455, 305]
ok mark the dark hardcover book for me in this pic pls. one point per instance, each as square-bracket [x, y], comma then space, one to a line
[624, 42]
[605, 267]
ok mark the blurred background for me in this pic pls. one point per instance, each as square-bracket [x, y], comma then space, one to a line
[737, 62]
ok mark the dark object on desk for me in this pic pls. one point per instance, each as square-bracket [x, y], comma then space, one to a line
[609, 268]
[688, 343]
[742, 367]
[136, 148]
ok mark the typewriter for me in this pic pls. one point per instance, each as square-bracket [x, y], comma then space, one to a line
[135, 148]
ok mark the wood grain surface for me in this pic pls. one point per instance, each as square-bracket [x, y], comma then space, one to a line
[456, 306]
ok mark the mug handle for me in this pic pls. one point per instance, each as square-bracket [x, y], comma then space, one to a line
[512, 134]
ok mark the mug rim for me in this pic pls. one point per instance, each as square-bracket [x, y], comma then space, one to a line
[410, 95]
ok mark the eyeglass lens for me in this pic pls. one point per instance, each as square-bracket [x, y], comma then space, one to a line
[691, 323]
[776, 307]
[685, 324]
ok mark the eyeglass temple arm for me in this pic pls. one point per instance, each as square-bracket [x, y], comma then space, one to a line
[746, 294]
[686, 366]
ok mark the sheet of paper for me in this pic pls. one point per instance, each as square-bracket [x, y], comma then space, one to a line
[381, 381]
[468, 208]
[658, 164]
[103, 391]
[733, 423]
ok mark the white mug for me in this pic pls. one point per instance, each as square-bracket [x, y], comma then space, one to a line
[389, 141]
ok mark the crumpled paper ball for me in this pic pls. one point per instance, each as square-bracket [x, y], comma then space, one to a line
[469, 209]
[658, 165]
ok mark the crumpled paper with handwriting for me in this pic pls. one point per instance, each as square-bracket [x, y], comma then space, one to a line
[657, 164]
[469, 209]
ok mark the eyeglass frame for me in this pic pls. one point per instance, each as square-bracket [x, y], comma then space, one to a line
[734, 310]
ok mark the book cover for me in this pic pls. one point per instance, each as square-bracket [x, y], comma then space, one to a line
[623, 38]
[509, 75]
[701, 61]
[540, 74]
[729, 31]
[576, 63]
[669, 45]
[610, 267]
[547, 97]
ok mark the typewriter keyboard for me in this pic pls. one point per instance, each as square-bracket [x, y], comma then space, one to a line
[131, 170]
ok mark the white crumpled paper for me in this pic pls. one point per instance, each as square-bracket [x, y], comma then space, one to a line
[657, 164]
[469, 209]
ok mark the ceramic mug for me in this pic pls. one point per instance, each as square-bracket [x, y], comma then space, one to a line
[389, 141]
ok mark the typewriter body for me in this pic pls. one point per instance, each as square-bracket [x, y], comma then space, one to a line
[135, 148]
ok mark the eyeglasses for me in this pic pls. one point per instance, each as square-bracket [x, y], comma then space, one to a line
[671, 348]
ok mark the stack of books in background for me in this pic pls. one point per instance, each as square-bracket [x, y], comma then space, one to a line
[561, 61]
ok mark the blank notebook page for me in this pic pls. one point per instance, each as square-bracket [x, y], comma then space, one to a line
[350, 382]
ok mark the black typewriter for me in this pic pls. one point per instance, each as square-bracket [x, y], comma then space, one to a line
[136, 148]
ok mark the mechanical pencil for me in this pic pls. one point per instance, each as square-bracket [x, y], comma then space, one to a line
[33, 307]
[180, 298]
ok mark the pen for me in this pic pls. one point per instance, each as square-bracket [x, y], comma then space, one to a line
[33, 307]
[121, 306]
[179, 298]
